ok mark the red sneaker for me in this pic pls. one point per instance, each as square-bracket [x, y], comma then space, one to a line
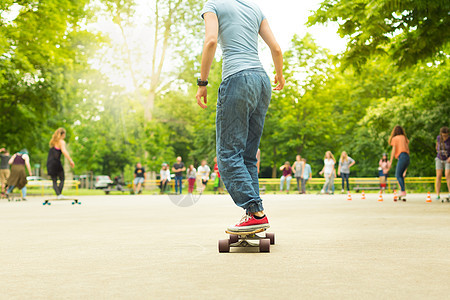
[250, 223]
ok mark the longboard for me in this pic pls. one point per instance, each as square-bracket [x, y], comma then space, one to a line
[247, 239]
[14, 197]
[74, 201]
[402, 198]
[446, 199]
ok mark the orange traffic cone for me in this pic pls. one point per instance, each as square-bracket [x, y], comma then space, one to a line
[428, 197]
[395, 195]
[363, 196]
[349, 196]
[380, 197]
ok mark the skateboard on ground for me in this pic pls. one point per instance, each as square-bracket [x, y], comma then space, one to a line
[445, 199]
[248, 239]
[14, 197]
[402, 198]
[74, 201]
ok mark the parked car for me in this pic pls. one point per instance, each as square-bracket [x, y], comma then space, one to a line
[102, 182]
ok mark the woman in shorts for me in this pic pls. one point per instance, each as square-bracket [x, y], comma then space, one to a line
[442, 160]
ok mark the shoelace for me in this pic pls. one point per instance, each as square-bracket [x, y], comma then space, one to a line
[245, 218]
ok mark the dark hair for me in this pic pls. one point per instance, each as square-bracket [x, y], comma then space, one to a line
[441, 139]
[398, 130]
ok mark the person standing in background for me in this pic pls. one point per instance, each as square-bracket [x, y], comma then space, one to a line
[298, 167]
[203, 171]
[192, 176]
[220, 182]
[54, 166]
[4, 168]
[286, 177]
[383, 171]
[400, 150]
[178, 168]
[18, 177]
[329, 172]
[164, 176]
[139, 178]
[345, 163]
[442, 160]
[307, 174]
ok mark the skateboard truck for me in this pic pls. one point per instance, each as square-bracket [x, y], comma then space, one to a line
[247, 239]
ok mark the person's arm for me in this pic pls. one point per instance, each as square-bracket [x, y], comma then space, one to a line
[282, 168]
[352, 163]
[392, 156]
[11, 160]
[209, 50]
[339, 169]
[182, 169]
[27, 163]
[277, 55]
[66, 154]
[173, 169]
[321, 171]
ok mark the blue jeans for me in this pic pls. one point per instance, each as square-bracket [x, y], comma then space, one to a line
[402, 165]
[345, 177]
[288, 182]
[242, 105]
[24, 190]
[178, 182]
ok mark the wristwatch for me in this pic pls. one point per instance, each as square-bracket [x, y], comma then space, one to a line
[201, 82]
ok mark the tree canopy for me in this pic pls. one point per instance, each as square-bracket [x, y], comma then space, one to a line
[394, 71]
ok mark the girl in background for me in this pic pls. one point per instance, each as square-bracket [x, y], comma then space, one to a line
[286, 177]
[54, 165]
[383, 171]
[442, 160]
[400, 150]
[298, 168]
[329, 172]
[345, 163]
[192, 177]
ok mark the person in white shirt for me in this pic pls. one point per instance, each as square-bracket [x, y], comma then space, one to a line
[203, 171]
[329, 172]
[165, 177]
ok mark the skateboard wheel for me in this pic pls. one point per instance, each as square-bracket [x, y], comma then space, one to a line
[271, 237]
[73, 203]
[264, 245]
[224, 246]
[234, 238]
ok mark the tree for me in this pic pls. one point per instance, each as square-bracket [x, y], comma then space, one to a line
[407, 31]
[175, 26]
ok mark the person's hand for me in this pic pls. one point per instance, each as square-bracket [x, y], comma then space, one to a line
[448, 160]
[279, 81]
[72, 164]
[202, 93]
[321, 172]
[339, 173]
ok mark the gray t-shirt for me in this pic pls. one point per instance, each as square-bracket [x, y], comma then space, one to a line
[239, 23]
[345, 165]
[4, 161]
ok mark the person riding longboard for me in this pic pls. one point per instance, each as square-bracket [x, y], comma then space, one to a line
[243, 98]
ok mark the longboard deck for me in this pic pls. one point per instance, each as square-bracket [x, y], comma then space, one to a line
[243, 233]
[49, 201]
